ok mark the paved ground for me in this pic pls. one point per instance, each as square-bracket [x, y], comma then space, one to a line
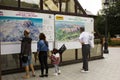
[103, 69]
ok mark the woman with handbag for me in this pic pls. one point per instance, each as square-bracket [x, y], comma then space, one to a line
[42, 49]
[27, 54]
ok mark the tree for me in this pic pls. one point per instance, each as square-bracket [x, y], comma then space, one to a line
[100, 24]
[113, 18]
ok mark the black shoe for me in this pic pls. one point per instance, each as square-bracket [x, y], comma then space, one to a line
[41, 76]
[59, 73]
[46, 75]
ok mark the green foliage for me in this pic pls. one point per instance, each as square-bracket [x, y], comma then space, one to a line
[113, 17]
[100, 24]
[115, 9]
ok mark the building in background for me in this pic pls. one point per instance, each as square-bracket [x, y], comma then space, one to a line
[67, 6]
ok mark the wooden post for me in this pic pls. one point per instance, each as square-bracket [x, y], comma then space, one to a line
[41, 4]
[60, 6]
[75, 8]
[19, 3]
[76, 54]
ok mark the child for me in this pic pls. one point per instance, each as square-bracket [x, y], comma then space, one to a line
[55, 59]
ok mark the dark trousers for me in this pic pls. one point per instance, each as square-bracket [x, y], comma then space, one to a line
[85, 53]
[43, 61]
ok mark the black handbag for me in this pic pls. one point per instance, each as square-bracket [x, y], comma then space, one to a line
[24, 58]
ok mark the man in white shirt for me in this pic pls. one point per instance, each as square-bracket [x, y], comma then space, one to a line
[85, 41]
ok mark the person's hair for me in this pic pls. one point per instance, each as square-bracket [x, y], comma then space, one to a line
[26, 32]
[42, 36]
[54, 51]
[82, 29]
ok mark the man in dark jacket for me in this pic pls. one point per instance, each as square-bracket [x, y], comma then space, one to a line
[26, 51]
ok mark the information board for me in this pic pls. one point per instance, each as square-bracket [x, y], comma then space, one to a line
[67, 30]
[13, 24]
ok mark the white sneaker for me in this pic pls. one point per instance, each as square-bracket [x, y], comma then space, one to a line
[55, 74]
[87, 71]
[59, 72]
[83, 71]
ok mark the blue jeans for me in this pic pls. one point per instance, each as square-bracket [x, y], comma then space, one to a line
[28, 62]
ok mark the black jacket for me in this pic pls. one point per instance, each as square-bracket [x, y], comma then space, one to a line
[26, 46]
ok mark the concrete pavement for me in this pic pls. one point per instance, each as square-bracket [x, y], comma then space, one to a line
[102, 69]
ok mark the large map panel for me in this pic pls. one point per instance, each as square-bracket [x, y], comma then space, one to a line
[12, 28]
[13, 24]
[67, 29]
